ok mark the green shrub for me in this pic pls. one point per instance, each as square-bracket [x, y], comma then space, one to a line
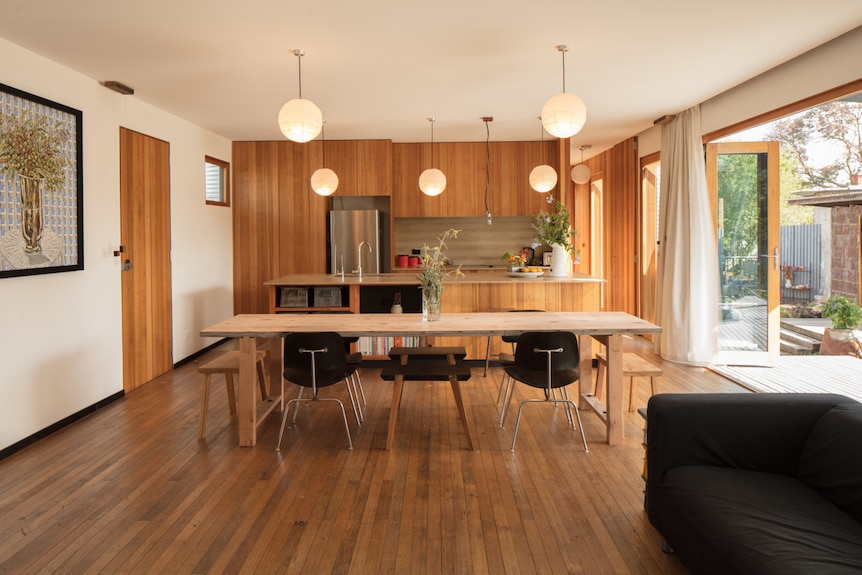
[844, 313]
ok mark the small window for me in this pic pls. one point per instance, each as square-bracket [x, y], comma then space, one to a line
[217, 182]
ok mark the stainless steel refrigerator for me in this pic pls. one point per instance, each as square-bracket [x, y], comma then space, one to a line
[348, 229]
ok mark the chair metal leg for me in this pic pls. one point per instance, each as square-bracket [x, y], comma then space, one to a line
[296, 400]
[298, 397]
[502, 385]
[518, 421]
[487, 360]
[564, 394]
[568, 403]
[351, 393]
[507, 399]
[359, 385]
[284, 419]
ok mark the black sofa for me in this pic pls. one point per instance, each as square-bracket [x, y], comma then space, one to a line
[757, 483]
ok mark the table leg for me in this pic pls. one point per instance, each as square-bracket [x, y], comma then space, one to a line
[585, 369]
[616, 423]
[464, 412]
[275, 369]
[393, 410]
[246, 416]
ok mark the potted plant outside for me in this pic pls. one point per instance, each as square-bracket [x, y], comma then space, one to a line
[840, 339]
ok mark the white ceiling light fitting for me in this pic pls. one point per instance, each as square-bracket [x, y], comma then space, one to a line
[581, 173]
[432, 181]
[300, 120]
[324, 181]
[543, 178]
[564, 115]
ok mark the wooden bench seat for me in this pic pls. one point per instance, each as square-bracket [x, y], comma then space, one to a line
[227, 364]
[634, 366]
[424, 372]
[428, 352]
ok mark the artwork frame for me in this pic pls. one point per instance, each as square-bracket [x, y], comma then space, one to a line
[41, 223]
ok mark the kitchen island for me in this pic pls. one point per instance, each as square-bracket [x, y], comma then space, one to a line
[473, 292]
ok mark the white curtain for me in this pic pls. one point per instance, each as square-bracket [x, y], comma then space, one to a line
[687, 271]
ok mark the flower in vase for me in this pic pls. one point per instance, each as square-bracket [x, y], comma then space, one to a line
[433, 270]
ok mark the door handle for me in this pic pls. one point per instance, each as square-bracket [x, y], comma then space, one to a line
[126, 265]
[775, 256]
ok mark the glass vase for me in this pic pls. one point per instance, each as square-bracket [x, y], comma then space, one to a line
[430, 305]
[31, 214]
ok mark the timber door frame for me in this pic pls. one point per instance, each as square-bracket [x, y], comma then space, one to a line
[770, 261]
[145, 237]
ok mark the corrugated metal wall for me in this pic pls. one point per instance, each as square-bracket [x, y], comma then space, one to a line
[800, 247]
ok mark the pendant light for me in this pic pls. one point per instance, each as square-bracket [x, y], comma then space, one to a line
[300, 120]
[564, 115]
[543, 178]
[324, 181]
[432, 181]
[581, 173]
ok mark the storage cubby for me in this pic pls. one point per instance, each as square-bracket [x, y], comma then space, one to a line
[378, 299]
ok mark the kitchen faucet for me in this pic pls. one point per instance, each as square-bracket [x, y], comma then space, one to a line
[359, 257]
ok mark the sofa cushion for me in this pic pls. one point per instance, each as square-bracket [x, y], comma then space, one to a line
[831, 460]
[724, 520]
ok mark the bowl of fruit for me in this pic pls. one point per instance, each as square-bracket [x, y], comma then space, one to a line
[527, 272]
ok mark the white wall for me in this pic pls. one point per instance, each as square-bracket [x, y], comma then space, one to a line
[60, 342]
[833, 64]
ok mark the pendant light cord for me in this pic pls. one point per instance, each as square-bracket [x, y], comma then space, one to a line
[487, 170]
[299, 53]
[564, 71]
[432, 141]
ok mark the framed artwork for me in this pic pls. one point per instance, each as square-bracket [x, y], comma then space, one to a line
[41, 185]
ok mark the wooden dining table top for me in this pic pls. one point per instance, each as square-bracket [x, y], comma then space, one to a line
[450, 324]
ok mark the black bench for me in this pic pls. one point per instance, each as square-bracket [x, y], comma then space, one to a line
[428, 366]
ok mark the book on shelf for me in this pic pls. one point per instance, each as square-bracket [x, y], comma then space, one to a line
[379, 346]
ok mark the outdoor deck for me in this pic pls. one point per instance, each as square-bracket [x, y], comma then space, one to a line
[802, 374]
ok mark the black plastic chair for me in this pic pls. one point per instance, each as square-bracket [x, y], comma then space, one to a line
[548, 361]
[316, 360]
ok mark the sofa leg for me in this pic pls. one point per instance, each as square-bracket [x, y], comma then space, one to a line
[665, 546]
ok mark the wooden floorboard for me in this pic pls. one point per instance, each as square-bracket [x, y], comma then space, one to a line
[130, 489]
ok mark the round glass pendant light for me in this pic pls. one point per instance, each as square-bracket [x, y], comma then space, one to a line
[432, 181]
[300, 120]
[564, 115]
[324, 181]
[581, 173]
[543, 178]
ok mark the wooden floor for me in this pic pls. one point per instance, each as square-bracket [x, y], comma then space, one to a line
[130, 489]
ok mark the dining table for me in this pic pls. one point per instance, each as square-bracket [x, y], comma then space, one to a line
[606, 327]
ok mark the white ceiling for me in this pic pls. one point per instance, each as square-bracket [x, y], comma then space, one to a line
[379, 68]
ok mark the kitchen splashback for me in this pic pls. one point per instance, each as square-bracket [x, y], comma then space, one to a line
[478, 244]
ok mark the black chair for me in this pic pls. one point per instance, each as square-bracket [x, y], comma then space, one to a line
[316, 360]
[548, 361]
[504, 358]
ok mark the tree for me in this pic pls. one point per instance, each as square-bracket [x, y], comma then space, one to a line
[839, 123]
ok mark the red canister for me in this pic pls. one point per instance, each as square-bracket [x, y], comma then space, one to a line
[402, 261]
[413, 262]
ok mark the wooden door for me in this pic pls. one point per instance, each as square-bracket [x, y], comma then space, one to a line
[145, 234]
